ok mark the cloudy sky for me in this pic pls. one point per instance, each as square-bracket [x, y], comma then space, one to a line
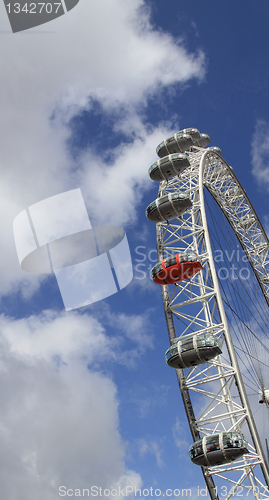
[86, 397]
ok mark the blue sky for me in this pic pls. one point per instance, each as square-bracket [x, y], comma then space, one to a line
[87, 398]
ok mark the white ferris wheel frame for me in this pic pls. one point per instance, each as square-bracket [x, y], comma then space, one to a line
[190, 232]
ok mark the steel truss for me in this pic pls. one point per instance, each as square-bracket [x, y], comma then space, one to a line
[217, 388]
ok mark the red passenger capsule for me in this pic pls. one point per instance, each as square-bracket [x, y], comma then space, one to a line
[179, 267]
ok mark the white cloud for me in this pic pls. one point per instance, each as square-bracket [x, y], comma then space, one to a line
[132, 336]
[61, 338]
[135, 327]
[114, 192]
[260, 153]
[59, 420]
[128, 482]
[51, 335]
[151, 447]
[102, 50]
[179, 433]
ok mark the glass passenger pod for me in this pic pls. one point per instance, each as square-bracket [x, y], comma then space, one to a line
[247, 221]
[264, 396]
[179, 267]
[218, 449]
[168, 207]
[194, 132]
[203, 141]
[178, 143]
[168, 167]
[214, 149]
[265, 280]
[193, 351]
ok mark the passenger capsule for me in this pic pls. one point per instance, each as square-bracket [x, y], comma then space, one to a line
[264, 396]
[214, 149]
[203, 141]
[179, 267]
[218, 449]
[194, 132]
[193, 351]
[168, 167]
[168, 207]
[247, 221]
[178, 143]
[265, 280]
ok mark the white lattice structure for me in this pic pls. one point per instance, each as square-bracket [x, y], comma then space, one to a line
[222, 403]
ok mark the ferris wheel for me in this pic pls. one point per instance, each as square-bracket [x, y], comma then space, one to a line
[213, 268]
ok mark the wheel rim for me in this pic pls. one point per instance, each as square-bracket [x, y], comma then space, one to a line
[202, 294]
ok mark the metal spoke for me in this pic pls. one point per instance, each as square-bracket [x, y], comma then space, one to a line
[198, 306]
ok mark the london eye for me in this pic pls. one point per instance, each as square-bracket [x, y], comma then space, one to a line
[213, 271]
